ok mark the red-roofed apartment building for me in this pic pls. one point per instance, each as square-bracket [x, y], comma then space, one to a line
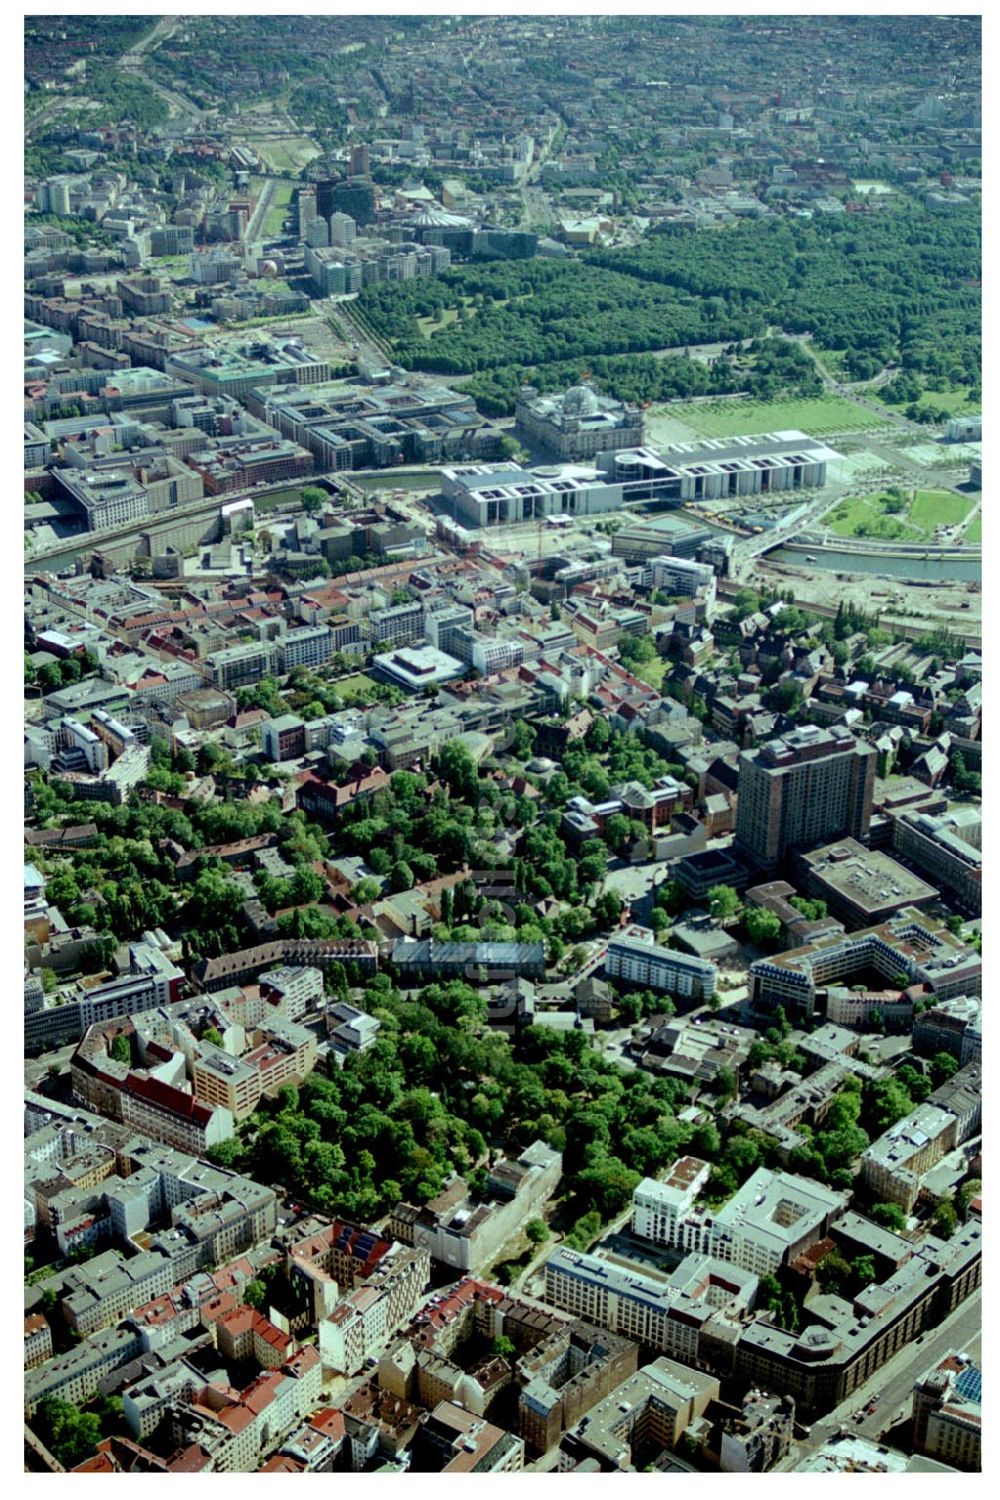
[244, 1333]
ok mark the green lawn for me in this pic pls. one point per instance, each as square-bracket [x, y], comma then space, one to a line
[467, 308]
[851, 513]
[832, 361]
[923, 511]
[286, 156]
[279, 209]
[428, 479]
[356, 689]
[955, 402]
[175, 267]
[816, 416]
[933, 508]
[652, 672]
[974, 530]
[428, 326]
[278, 499]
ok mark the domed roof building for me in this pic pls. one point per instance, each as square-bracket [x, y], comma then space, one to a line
[577, 424]
[581, 401]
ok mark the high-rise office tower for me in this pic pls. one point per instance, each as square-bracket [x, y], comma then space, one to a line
[808, 787]
[307, 209]
[359, 164]
[355, 197]
[343, 230]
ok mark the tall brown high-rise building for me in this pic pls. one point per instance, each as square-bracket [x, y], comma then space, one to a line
[360, 160]
[808, 787]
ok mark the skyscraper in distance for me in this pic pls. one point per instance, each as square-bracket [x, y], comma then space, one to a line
[355, 197]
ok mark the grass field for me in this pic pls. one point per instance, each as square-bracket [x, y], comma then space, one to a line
[832, 361]
[468, 309]
[955, 402]
[278, 499]
[850, 514]
[356, 689]
[817, 416]
[428, 326]
[279, 209]
[974, 530]
[916, 522]
[652, 672]
[286, 156]
[662, 426]
[932, 508]
[175, 267]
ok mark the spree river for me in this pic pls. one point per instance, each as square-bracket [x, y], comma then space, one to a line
[932, 569]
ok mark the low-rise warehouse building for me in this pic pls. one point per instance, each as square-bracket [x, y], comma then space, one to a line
[861, 886]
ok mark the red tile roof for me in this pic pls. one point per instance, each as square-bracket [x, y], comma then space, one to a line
[164, 1096]
[329, 1421]
[261, 1392]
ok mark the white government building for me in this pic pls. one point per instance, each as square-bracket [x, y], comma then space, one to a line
[712, 469]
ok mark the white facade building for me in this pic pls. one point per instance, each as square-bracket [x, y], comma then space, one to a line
[772, 1218]
[636, 957]
[658, 1207]
[308, 646]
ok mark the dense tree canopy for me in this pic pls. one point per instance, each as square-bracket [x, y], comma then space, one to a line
[897, 287]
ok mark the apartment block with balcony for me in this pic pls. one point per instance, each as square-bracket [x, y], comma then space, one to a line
[242, 666]
[635, 957]
[305, 646]
[398, 625]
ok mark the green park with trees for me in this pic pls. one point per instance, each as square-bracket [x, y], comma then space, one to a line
[897, 289]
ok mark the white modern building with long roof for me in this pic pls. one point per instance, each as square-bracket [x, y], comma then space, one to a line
[712, 469]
